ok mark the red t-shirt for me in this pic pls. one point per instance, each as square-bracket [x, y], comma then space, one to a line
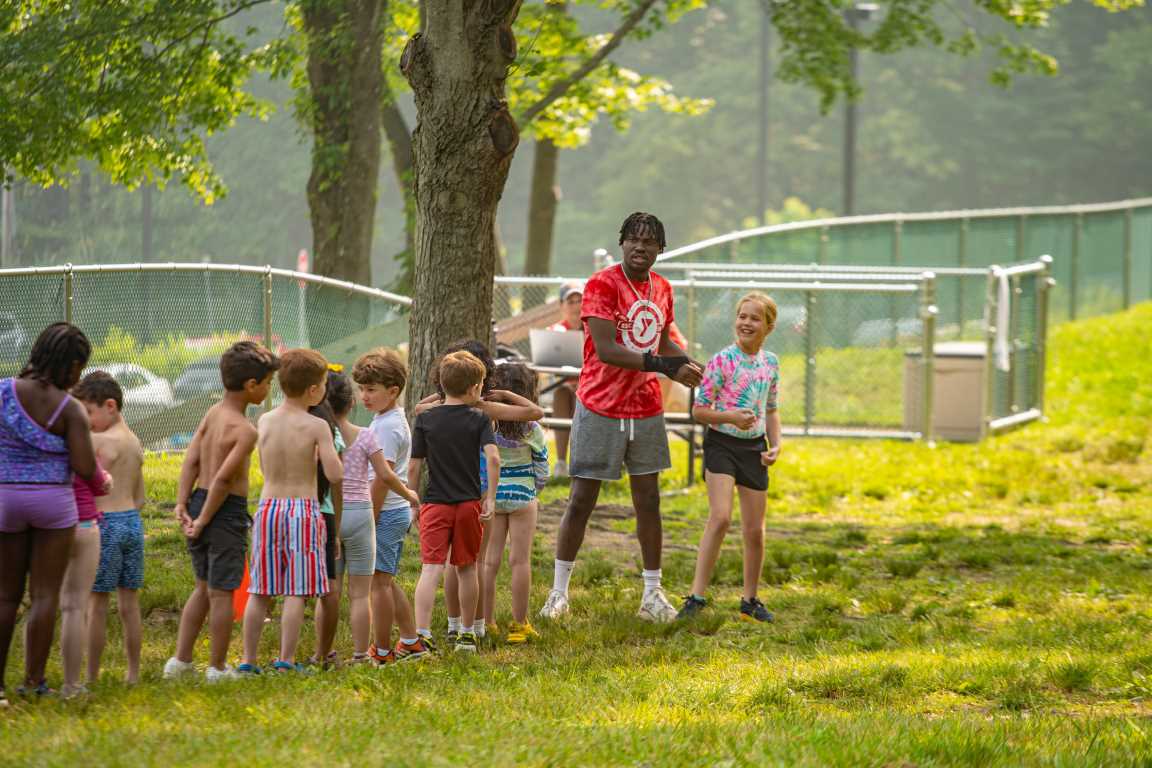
[640, 314]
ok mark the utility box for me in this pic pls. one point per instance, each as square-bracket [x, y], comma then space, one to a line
[958, 391]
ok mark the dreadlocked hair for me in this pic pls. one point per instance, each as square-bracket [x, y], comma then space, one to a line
[323, 411]
[518, 379]
[480, 350]
[640, 223]
[57, 349]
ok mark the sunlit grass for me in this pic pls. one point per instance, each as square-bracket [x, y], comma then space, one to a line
[957, 605]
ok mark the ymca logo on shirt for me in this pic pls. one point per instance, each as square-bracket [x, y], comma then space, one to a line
[640, 328]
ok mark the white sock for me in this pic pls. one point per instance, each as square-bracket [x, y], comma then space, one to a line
[651, 580]
[562, 575]
[453, 623]
[478, 628]
[424, 633]
[410, 640]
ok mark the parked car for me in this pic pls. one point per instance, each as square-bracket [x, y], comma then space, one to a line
[13, 338]
[145, 393]
[200, 378]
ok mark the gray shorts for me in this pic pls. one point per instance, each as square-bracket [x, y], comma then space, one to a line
[357, 540]
[600, 445]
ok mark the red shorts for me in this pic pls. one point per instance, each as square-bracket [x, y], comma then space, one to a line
[455, 526]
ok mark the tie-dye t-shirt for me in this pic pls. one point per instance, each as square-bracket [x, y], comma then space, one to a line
[734, 380]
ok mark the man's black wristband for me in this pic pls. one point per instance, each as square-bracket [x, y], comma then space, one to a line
[667, 365]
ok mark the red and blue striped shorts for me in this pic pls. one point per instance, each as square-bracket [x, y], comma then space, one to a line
[288, 538]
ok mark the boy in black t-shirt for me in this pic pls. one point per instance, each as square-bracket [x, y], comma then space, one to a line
[450, 438]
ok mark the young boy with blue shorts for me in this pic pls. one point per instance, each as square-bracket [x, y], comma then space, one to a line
[121, 567]
[381, 376]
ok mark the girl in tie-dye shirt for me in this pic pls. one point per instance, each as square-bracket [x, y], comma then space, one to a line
[737, 402]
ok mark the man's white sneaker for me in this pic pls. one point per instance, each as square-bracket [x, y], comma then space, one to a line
[560, 469]
[655, 607]
[174, 668]
[213, 675]
[555, 606]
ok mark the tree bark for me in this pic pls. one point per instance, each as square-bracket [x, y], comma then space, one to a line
[345, 77]
[545, 196]
[463, 145]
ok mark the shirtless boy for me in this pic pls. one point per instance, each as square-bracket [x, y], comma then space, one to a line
[121, 531]
[289, 531]
[214, 517]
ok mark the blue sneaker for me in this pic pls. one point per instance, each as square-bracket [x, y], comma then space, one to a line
[248, 670]
[691, 607]
[754, 610]
[287, 666]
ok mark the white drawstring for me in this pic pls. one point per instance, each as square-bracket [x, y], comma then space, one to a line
[631, 428]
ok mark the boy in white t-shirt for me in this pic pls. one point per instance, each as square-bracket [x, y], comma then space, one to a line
[381, 376]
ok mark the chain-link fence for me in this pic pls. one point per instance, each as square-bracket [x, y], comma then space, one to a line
[160, 328]
[858, 346]
[1102, 253]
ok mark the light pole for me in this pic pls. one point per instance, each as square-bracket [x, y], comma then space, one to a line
[853, 16]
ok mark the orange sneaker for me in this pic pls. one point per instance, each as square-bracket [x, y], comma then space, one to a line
[381, 659]
[410, 651]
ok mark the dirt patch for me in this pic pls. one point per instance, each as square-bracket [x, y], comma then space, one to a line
[602, 533]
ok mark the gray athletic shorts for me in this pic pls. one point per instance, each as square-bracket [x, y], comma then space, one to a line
[357, 540]
[600, 446]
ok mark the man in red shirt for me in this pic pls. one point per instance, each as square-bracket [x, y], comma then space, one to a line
[619, 419]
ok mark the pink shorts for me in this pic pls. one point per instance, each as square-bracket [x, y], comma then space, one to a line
[288, 537]
[31, 505]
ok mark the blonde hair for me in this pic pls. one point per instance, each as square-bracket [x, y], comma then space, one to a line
[766, 304]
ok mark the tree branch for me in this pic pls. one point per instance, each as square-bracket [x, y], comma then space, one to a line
[561, 87]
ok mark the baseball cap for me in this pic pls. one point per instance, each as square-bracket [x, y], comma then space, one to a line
[568, 289]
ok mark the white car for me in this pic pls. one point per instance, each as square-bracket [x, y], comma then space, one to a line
[145, 393]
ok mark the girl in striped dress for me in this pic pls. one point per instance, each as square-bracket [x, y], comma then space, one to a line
[523, 473]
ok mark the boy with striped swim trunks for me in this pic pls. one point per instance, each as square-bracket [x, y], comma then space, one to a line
[288, 532]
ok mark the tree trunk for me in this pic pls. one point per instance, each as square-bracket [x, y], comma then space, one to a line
[542, 208]
[463, 145]
[345, 80]
[400, 143]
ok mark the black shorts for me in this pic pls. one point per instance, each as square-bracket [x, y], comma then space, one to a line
[736, 456]
[330, 544]
[218, 555]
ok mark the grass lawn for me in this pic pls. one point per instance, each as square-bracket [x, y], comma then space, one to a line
[957, 605]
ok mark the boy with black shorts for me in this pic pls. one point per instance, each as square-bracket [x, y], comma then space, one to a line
[214, 516]
[451, 439]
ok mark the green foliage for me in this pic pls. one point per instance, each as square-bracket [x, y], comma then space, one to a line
[134, 86]
[165, 358]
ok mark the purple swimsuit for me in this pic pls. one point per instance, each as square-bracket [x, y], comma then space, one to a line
[35, 469]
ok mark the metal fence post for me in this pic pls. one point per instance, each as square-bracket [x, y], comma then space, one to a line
[897, 245]
[961, 261]
[1013, 343]
[1074, 267]
[1127, 266]
[1042, 290]
[268, 321]
[1021, 222]
[68, 292]
[809, 361]
[928, 312]
[991, 303]
[691, 296]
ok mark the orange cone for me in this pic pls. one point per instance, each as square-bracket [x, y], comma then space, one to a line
[240, 596]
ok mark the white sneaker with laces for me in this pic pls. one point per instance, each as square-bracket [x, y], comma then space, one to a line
[560, 469]
[555, 606]
[213, 675]
[174, 668]
[655, 607]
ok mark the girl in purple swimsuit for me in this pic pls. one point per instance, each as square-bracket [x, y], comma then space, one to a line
[44, 438]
